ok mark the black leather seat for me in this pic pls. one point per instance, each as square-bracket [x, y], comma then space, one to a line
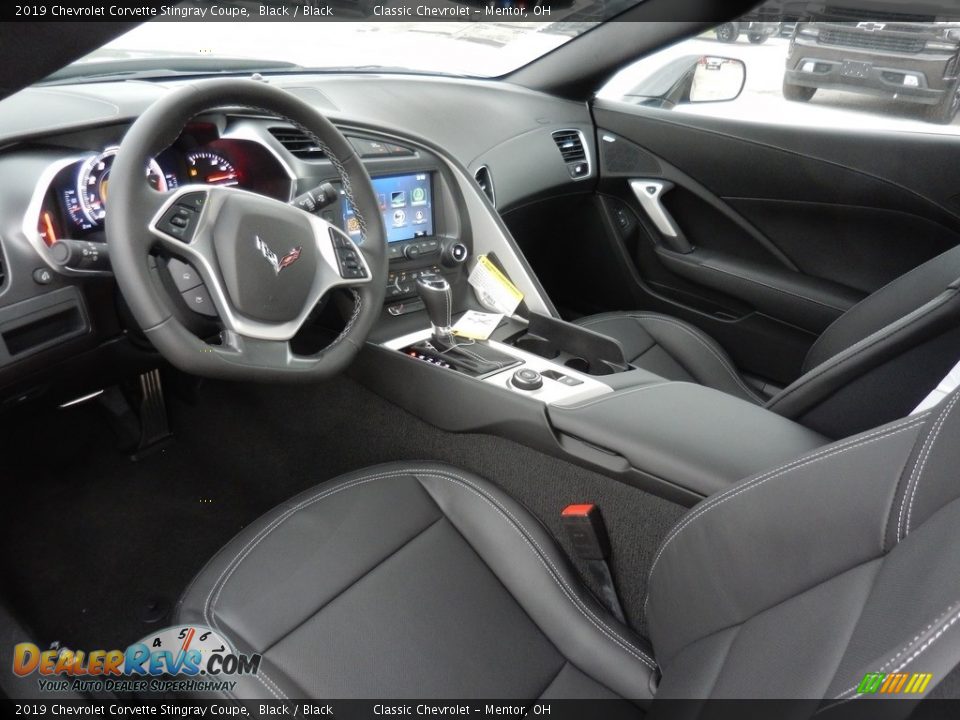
[421, 580]
[875, 363]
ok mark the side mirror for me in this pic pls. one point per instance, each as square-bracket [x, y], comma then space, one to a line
[690, 79]
[717, 79]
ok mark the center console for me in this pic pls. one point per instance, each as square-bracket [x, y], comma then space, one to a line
[538, 380]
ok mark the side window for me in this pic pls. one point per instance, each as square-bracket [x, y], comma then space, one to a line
[894, 73]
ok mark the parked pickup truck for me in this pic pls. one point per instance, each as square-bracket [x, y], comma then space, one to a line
[913, 62]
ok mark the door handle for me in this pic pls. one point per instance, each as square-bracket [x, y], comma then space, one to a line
[649, 194]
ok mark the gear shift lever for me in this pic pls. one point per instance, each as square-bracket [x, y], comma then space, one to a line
[478, 360]
[437, 296]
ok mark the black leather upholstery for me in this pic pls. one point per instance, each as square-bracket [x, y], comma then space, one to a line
[412, 581]
[672, 349]
[874, 364]
[423, 580]
[800, 580]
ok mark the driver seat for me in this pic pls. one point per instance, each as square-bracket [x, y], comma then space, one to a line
[422, 580]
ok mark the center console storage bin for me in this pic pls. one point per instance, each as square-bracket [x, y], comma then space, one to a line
[690, 436]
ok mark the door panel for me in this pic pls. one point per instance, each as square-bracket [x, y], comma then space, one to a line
[789, 227]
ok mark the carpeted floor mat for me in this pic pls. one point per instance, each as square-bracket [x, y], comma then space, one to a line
[92, 541]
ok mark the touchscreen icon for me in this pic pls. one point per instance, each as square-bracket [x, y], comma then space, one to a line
[398, 198]
[419, 217]
[418, 196]
[399, 218]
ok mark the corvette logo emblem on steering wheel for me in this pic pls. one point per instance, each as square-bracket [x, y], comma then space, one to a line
[277, 263]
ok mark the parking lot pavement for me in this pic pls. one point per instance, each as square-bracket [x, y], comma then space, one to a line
[762, 99]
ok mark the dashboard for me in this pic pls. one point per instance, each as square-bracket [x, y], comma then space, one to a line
[419, 139]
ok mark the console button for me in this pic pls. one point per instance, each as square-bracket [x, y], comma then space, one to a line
[527, 379]
[429, 246]
[412, 251]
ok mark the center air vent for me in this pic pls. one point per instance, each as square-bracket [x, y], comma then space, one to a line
[298, 143]
[570, 145]
[485, 181]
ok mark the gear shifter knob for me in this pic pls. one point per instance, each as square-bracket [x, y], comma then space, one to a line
[437, 296]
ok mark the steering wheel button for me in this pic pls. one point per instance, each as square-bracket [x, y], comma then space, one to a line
[198, 300]
[194, 201]
[184, 276]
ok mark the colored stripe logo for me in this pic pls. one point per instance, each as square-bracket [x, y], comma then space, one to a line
[894, 683]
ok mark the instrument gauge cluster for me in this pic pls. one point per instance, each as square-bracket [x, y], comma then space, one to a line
[76, 201]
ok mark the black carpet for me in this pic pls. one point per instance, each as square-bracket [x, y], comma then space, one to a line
[90, 541]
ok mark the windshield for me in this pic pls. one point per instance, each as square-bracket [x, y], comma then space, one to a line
[478, 47]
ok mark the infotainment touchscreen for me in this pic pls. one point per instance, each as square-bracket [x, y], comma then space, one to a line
[406, 203]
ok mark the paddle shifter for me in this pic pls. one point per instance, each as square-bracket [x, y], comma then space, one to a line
[437, 296]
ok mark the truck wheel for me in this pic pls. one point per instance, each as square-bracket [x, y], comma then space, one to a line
[945, 111]
[728, 32]
[756, 39]
[798, 93]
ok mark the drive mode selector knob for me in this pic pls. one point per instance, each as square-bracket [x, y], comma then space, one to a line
[527, 379]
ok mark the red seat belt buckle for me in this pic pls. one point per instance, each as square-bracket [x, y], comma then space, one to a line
[584, 526]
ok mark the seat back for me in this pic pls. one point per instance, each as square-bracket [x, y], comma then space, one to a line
[883, 356]
[800, 582]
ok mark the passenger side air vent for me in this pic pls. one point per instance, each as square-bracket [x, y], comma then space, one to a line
[571, 146]
[298, 143]
[485, 181]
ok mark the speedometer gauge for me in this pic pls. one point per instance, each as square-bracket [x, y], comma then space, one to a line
[204, 166]
[94, 180]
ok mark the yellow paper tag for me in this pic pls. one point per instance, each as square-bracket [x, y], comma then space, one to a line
[494, 289]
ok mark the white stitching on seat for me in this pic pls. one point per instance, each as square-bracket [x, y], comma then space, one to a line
[584, 610]
[695, 335]
[930, 641]
[708, 505]
[931, 440]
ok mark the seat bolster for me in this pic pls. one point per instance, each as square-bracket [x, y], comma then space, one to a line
[264, 582]
[824, 388]
[705, 578]
[696, 355]
[523, 555]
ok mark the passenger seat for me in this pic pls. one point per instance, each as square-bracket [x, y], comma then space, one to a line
[874, 364]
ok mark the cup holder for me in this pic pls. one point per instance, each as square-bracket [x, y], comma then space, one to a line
[578, 364]
[538, 346]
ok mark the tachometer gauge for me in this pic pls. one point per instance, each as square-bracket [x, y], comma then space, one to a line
[94, 180]
[205, 166]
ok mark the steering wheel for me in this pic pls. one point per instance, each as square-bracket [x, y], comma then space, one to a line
[266, 264]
